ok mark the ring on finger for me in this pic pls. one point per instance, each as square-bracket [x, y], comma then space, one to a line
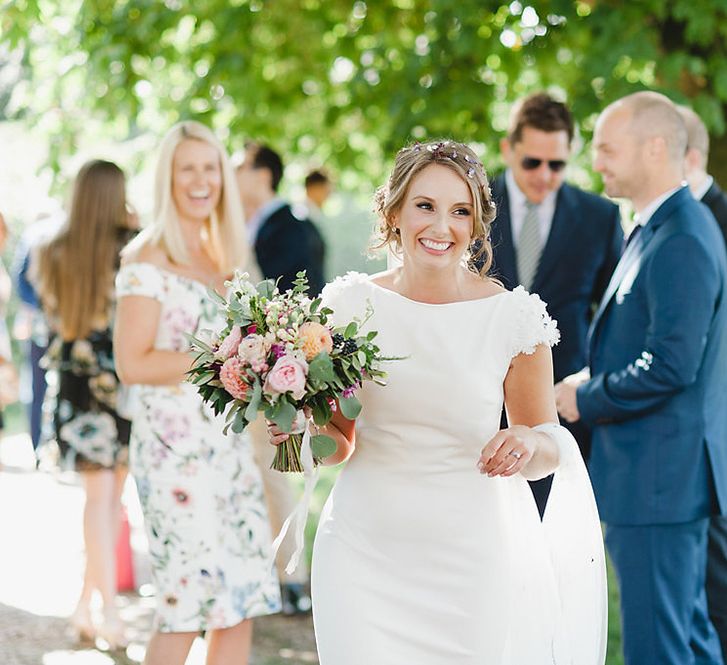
[515, 454]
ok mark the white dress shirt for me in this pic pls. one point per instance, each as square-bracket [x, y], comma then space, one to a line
[699, 193]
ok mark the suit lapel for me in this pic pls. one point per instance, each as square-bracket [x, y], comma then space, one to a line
[505, 264]
[629, 258]
[711, 194]
[563, 217]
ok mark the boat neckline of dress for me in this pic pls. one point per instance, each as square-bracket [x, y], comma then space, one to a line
[436, 304]
[170, 272]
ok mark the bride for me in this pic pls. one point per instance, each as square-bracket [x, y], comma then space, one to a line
[430, 549]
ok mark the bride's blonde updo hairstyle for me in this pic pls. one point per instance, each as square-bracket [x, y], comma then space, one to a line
[410, 161]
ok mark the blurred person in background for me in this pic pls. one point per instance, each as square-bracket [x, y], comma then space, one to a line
[284, 245]
[200, 490]
[7, 373]
[30, 325]
[705, 189]
[73, 273]
[552, 237]
[318, 188]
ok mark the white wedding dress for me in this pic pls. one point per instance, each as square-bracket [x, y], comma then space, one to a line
[421, 560]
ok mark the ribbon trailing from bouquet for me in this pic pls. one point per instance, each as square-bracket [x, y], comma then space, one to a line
[299, 516]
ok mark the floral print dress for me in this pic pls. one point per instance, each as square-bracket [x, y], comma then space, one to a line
[200, 491]
[87, 427]
[83, 402]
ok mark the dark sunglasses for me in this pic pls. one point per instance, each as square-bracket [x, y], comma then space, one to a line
[532, 163]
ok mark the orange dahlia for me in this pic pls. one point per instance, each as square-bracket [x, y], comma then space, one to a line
[314, 338]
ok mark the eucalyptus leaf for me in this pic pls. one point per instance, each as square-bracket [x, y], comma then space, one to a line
[238, 422]
[350, 407]
[322, 445]
[320, 369]
[266, 288]
[351, 330]
[252, 407]
[321, 412]
[283, 415]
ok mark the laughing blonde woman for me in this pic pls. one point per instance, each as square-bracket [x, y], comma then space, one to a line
[200, 489]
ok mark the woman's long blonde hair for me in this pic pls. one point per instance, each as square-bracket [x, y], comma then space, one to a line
[75, 269]
[224, 229]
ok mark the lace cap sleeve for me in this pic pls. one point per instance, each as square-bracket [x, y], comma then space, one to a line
[140, 279]
[340, 296]
[532, 323]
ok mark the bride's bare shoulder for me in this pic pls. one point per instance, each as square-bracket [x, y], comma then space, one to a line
[484, 287]
[385, 278]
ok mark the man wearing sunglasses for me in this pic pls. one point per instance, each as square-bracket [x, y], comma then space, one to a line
[553, 238]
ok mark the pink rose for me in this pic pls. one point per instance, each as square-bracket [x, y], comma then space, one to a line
[253, 350]
[287, 376]
[231, 376]
[229, 345]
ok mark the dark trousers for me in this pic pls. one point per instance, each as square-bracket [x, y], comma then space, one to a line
[717, 578]
[661, 572]
[38, 385]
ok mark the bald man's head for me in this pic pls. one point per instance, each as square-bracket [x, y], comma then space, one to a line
[695, 161]
[697, 135]
[640, 143]
[654, 115]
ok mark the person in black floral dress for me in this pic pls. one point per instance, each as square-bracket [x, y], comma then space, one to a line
[74, 273]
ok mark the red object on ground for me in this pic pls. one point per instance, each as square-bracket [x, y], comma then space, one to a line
[124, 557]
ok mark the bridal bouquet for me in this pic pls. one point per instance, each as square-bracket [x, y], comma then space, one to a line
[279, 354]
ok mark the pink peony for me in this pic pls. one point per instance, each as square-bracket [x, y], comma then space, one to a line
[231, 375]
[287, 376]
[229, 345]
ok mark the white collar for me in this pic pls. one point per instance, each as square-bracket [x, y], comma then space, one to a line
[642, 218]
[703, 188]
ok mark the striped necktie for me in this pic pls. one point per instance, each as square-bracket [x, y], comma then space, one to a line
[529, 246]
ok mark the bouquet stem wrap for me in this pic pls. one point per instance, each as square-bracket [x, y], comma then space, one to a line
[288, 456]
[299, 516]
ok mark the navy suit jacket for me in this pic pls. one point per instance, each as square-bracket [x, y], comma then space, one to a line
[580, 254]
[285, 245]
[658, 358]
[716, 200]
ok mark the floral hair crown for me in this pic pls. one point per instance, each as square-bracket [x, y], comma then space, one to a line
[447, 150]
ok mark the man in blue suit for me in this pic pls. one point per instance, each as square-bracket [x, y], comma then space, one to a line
[705, 189]
[569, 253]
[656, 398]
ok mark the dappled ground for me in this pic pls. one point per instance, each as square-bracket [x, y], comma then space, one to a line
[41, 559]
